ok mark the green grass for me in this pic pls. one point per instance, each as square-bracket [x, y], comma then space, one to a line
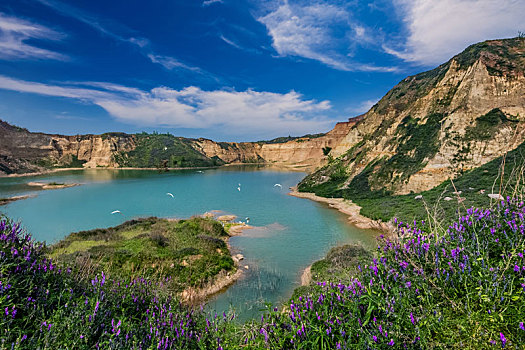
[163, 151]
[291, 138]
[384, 206]
[191, 252]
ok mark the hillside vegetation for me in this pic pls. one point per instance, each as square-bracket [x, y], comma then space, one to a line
[502, 175]
[434, 125]
[190, 252]
[163, 151]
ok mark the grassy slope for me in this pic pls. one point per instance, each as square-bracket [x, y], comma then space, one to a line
[416, 140]
[192, 252]
[382, 205]
[163, 150]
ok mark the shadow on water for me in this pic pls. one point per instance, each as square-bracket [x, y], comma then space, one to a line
[261, 282]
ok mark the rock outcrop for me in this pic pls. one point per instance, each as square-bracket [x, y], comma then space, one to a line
[22, 151]
[435, 125]
[304, 151]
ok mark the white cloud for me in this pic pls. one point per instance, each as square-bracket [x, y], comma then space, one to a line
[246, 113]
[363, 106]
[209, 2]
[171, 63]
[318, 31]
[230, 42]
[14, 33]
[437, 30]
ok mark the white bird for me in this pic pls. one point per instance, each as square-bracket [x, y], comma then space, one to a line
[278, 185]
[170, 194]
[199, 171]
[165, 148]
[239, 189]
[116, 211]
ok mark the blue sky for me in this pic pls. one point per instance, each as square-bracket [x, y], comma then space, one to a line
[229, 70]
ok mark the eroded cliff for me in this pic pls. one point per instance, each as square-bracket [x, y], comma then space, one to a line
[435, 125]
[22, 151]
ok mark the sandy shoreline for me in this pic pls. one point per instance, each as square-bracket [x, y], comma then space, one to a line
[51, 186]
[354, 217]
[224, 279]
[349, 208]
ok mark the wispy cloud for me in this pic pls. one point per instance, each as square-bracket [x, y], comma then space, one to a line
[14, 34]
[67, 116]
[246, 113]
[171, 63]
[362, 107]
[99, 24]
[119, 33]
[230, 42]
[210, 2]
[318, 31]
[437, 30]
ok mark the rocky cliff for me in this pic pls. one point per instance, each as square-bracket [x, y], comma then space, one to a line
[303, 151]
[435, 125]
[22, 151]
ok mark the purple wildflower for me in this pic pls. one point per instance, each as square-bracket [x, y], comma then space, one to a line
[503, 340]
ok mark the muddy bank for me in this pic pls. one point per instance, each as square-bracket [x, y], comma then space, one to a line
[224, 279]
[51, 186]
[4, 201]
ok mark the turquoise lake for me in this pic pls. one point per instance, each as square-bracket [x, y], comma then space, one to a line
[290, 232]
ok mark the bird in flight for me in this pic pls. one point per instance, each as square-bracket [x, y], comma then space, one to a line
[278, 185]
[239, 188]
[170, 194]
[116, 212]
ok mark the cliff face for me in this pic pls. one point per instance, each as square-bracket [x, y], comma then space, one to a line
[299, 152]
[24, 152]
[434, 125]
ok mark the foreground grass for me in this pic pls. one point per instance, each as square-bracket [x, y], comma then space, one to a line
[458, 287]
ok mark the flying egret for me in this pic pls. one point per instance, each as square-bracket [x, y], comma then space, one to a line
[170, 194]
[278, 185]
[116, 212]
[239, 189]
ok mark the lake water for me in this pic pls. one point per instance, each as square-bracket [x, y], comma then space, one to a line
[291, 232]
